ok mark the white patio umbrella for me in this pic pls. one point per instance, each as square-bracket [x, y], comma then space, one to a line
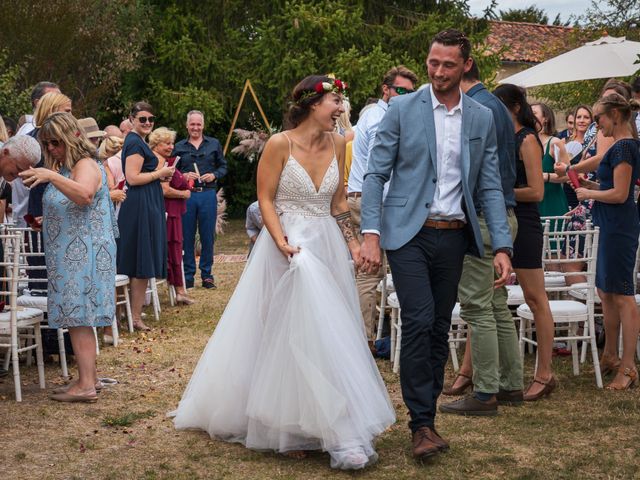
[604, 58]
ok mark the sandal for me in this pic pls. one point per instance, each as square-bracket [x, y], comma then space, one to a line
[630, 379]
[609, 365]
[454, 391]
[140, 326]
[548, 387]
[295, 454]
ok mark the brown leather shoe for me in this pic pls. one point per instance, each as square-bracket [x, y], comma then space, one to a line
[441, 442]
[510, 397]
[470, 405]
[426, 443]
[372, 347]
[463, 381]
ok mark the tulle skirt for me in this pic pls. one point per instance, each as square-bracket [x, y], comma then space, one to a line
[288, 366]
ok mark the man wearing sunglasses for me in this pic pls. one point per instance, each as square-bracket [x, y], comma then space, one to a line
[397, 81]
[201, 160]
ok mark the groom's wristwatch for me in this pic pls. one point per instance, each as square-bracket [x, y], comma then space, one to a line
[507, 250]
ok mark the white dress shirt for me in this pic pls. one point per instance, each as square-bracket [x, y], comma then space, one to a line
[364, 136]
[27, 126]
[447, 201]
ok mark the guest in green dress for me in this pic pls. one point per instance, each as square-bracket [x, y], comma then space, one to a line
[554, 202]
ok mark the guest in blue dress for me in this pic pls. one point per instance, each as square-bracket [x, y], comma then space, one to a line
[142, 249]
[615, 213]
[79, 241]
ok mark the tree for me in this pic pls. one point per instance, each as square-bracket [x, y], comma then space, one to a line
[617, 17]
[84, 45]
[530, 14]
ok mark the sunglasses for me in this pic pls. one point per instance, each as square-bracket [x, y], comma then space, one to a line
[53, 143]
[401, 90]
[146, 119]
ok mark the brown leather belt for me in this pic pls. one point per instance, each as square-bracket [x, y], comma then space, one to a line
[354, 194]
[444, 224]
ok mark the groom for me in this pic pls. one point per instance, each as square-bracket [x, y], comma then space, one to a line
[438, 147]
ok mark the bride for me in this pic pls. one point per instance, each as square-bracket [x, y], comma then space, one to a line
[288, 367]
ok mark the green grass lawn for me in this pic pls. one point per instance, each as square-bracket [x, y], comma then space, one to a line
[578, 432]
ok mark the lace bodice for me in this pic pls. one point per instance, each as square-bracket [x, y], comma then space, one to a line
[298, 195]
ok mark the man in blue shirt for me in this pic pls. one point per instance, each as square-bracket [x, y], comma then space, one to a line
[201, 160]
[493, 345]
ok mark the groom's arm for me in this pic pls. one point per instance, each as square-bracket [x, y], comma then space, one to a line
[381, 162]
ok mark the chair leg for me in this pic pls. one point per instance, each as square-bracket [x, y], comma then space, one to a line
[95, 334]
[454, 355]
[172, 295]
[596, 361]
[62, 353]
[115, 332]
[155, 302]
[396, 356]
[521, 339]
[392, 335]
[127, 307]
[16, 367]
[585, 343]
[574, 349]
[39, 355]
[7, 359]
[383, 306]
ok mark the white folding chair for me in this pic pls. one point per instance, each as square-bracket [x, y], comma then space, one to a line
[396, 331]
[35, 296]
[385, 287]
[569, 315]
[122, 282]
[457, 334]
[18, 323]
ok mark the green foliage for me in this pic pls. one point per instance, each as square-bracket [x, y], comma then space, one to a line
[83, 45]
[194, 54]
[13, 102]
[531, 14]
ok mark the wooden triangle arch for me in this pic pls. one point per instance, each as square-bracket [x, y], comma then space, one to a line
[247, 86]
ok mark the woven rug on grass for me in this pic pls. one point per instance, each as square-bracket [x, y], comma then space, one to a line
[222, 258]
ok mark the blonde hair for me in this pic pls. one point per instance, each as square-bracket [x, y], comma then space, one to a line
[343, 124]
[624, 106]
[48, 104]
[4, 136]
[64, 127]
[110, 146]
[160, 135]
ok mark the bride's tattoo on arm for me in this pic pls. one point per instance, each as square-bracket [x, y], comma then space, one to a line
[345, 223]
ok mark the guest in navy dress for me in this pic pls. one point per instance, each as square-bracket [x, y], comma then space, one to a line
[142, 249]
[615, 213]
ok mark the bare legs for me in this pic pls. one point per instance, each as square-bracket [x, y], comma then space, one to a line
[84, 349]
[138, 290]
[620, 310]
[532, 283]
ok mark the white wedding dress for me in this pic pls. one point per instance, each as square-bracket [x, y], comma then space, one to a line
[288, 366]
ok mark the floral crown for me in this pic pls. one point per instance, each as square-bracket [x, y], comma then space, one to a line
[334, 85]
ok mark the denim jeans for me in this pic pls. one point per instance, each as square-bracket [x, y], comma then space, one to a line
[201, 214]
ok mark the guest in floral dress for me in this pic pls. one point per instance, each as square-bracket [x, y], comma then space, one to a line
[79, 240]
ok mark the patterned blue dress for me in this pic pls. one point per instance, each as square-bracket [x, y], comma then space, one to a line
[80, 251]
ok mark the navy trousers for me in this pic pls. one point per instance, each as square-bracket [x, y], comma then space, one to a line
[201, 214]
[426, 272]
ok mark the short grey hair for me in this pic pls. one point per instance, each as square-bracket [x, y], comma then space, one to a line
[195, 112]
[24, 146]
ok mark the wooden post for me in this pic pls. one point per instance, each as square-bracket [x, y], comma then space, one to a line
[247, 86]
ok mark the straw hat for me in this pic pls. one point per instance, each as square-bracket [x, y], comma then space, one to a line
[90, 128]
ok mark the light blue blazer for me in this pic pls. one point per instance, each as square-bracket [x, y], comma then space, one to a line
[405, 146]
